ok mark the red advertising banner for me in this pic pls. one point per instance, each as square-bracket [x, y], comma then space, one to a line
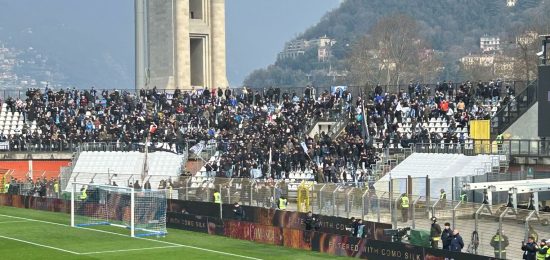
[253, 232]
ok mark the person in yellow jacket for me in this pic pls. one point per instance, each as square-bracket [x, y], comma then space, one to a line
[542, 252]
[463, 197]
[56, 189]
[499, 242]
[83, 193]
[217, 197]
[500, 140]
[404, 207]
[283, 202]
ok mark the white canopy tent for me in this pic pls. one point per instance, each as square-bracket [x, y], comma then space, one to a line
[105, 167]
[441, 169]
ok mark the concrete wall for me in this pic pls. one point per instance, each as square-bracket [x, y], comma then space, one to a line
[219, 77]
[526, 127]
[169, 29]
[160, 43]
[36, 168]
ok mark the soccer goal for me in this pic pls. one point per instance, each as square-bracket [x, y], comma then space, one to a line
[142, 212]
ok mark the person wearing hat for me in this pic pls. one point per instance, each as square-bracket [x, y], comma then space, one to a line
[499, 242]
[435, 233]
[542, 250]
[529, 249]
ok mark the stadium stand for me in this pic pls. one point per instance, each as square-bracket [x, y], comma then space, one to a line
[249, 127]
[416, 115]
[440, 168]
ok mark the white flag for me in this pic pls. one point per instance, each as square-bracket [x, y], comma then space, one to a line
[304, 146]
[197, 149]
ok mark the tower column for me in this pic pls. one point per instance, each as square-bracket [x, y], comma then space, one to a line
[139, 6]
[182, 45]
[219, 77]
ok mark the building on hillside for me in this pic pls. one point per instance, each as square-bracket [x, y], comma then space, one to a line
[489, 44]
[502, 66]
[527, 38]
[324, 45]
[511, 3]
[298, 47]
[294, 49]
[484, 60]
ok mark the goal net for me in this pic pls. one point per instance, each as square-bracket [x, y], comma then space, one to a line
[142, 212]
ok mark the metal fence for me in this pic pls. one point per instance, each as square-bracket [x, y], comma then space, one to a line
[379, 206]
[508, 147]
[70, 146]
[518, 86]
[353, 201]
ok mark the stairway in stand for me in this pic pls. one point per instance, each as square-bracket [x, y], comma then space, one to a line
[514, 109]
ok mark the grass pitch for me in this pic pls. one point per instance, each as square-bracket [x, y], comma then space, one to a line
[31, 234]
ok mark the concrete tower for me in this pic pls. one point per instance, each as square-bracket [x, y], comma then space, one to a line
[180, 44]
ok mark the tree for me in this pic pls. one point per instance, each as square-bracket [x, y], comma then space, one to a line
[476, 72]
[527, 45]
[392, 54]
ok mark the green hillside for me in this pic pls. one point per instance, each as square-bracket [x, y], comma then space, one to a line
[451, 27]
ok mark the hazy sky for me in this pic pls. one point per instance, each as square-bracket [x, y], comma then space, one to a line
[92, 41]
[257, 30]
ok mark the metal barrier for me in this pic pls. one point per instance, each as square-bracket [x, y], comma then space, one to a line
[350, 201]
[518, 86]
[508, 147]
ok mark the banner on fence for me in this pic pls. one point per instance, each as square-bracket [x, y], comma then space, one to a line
[187, 222]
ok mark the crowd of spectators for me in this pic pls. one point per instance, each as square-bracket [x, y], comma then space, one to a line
[402, 118]
[250, 128]
[41, 187]
[258, 133]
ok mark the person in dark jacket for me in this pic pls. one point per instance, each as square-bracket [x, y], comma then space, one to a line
[147, 185]
[309, 221]
[529, 249]
[445, 236]
[354, 227]
[238, 211]
[136, 185]
[456, 243]
[435, 233]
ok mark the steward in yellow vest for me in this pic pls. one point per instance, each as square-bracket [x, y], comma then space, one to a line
[217, 197]
[282, 203]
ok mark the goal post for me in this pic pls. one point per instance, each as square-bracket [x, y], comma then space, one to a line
[142, 212]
